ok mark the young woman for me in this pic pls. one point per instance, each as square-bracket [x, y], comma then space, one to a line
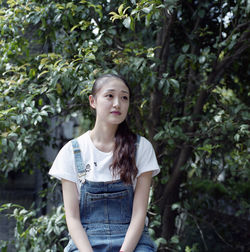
[106, 176]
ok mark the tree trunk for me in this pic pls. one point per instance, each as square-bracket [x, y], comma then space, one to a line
[167, 195]
[171, 190]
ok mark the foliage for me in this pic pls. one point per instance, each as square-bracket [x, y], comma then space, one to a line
[188, 66]
[214, 208]
[32, 233]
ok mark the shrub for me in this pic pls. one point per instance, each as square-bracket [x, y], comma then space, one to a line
[44, 233]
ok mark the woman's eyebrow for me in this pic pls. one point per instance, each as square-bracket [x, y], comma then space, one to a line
[113, 90]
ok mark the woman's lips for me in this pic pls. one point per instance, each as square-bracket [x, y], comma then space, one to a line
[116, 112]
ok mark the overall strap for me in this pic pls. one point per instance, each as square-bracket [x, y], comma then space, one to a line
[78, 160]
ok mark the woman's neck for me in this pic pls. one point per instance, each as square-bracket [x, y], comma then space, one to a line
[103, 137]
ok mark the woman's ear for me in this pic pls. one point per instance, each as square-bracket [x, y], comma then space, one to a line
[92, 102]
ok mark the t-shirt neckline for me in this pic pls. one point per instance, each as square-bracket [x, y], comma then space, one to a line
[91, 142]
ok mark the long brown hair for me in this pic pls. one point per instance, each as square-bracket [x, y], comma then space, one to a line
[124, 163]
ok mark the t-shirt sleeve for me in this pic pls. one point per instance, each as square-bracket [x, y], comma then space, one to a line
[146, 158]
[63, 166]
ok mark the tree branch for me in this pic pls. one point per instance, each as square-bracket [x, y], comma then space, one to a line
[185, 152]
[162, 42]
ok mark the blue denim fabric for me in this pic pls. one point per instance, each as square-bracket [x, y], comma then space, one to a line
[105, 212]
[103, 202]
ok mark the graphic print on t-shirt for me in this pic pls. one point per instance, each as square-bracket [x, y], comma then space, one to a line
[87, 168]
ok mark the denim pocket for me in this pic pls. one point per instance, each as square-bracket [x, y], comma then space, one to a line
[111, 207]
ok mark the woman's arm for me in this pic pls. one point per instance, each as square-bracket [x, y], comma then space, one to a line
[71, 205]
[140, 205]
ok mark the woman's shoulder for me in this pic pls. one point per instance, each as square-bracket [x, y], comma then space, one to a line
[81, 137]
[146, 157]
[81, 140]
[143, 141]
[68, 146]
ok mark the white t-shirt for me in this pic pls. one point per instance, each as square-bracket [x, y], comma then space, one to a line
[98, 162]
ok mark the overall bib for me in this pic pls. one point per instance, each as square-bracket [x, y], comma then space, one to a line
[105, 212]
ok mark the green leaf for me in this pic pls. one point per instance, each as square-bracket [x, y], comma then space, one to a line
[202, 59]
[175, 206]
[180, 60]
[160, 241]
[175, 239]
[127, 22]
[41, 74]
[237, 137]
[120, 9]
[148, 18]
[174, 83]
[11, 144]
[159, 135]
[166, 88]
[74, 27]
[147, 9]
[185, 48]
[57, 18]
[201, 13]
[132, 24]
[161, 83]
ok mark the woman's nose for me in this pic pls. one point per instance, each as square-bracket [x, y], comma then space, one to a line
[116, 102]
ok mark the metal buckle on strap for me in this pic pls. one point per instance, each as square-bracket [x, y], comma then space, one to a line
[77, 150]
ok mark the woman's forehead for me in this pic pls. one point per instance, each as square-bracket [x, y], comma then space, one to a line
[112, 85]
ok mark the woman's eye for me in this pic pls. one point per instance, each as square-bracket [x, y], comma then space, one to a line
[125, 98]
[109, 95]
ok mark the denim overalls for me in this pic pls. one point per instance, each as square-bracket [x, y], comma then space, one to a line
[105, 212]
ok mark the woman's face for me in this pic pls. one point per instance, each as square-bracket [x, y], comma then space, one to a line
[111, 101]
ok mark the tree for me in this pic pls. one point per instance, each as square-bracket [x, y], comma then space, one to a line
[188, 64]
